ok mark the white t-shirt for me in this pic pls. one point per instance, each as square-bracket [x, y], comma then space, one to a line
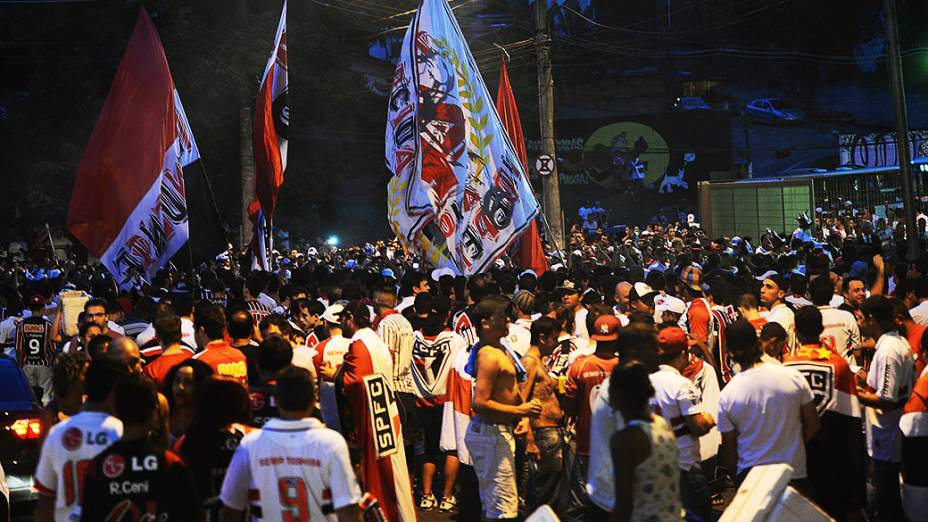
[676, 397]
[187, 334]
[892, 376]
[580, 330]
[798, 302]
[406, 303]
[296, 468]
[68, 451]
[763, 404]
[518, 338]
[787, 319]
[604, 421]
[303, 358]
[920, 313]
[842, 334]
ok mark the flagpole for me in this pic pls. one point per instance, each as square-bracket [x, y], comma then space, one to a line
[551, 235]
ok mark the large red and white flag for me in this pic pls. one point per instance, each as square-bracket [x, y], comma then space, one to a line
[527, 251]
[129, 204]
[271, 123]
[459, 195]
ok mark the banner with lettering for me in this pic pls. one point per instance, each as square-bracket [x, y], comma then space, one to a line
[459, 195]
[129, 203]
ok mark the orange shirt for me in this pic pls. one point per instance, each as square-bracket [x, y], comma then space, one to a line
[698, 318]
[914, 336]
[225, 360]
[584, 377]
[158, 369]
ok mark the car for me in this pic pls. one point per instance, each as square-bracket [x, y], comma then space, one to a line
[775, 110]
[20, 429]
[691, 103]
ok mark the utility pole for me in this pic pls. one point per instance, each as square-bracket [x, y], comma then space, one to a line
[552, 190]
[248, 174]
[902, 129]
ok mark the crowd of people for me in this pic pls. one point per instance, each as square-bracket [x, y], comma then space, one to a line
[635, 379]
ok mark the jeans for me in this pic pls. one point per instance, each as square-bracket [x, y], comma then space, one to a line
[577, 501]
[544, 475]
[888, 497]
[694, 493]
[492, 448]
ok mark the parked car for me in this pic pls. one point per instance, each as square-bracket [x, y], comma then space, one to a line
[19, 431]
[691, 103]
[775, 110]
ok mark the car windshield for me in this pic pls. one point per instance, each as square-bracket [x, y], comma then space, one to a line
[783, 104]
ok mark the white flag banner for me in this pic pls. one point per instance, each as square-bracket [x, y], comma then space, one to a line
[158, 227]
[458, 195]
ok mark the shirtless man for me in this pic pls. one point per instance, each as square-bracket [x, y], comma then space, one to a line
[544, 438]
[497, 406]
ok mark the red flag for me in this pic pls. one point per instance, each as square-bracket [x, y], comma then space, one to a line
[527, 252]
[272, 120]
[128, 206]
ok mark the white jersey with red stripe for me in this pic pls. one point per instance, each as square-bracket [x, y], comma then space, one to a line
[464, 327]
[841, 334]
[68, 452]
[291, 470]
[457, 413]
[432, 357]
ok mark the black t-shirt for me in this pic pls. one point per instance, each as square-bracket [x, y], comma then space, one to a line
[263, 405]
[250, 351]
[33, 341]
[136, 480]
[848, 308]
[208, 461]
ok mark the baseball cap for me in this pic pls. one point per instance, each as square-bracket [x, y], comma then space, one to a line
[606, 327]
[640, 290]
[37, 300]
[671, 341]
[568, 286]
[779, 280]
[388, 272]
[332, 313]
[439, 272]
[858, 269]
[766, 275]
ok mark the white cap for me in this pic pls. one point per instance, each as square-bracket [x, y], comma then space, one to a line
[439, 272]
[766, 274]
[643, 289]
[331, 314]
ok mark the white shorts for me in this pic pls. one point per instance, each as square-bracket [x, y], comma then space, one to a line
[492, 448]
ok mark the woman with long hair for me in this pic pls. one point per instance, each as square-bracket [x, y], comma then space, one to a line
[223, 409]
[181, 386]
[644, 454]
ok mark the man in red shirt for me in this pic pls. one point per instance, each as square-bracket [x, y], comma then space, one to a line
[210, 324]
[584, 378]
[167, 328]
